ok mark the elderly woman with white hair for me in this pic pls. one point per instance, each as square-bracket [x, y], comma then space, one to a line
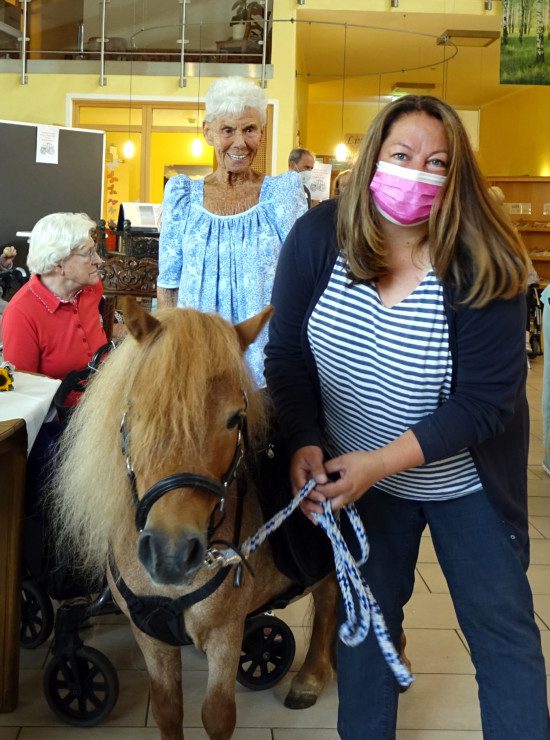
[221, 237]
[52, 324]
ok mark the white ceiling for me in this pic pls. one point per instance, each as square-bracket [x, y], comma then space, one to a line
[382, 48]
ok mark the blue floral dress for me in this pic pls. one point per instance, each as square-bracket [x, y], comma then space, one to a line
[227, 264]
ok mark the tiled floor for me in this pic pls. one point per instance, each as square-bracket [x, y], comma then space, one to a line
[441, 704]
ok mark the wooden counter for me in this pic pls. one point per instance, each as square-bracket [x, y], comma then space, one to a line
[13, 460]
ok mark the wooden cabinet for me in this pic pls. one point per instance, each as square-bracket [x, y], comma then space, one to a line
[534, 226]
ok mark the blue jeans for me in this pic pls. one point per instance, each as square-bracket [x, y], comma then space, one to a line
[481, 560]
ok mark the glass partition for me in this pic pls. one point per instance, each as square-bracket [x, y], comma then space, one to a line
[10, 27]
[143, 30]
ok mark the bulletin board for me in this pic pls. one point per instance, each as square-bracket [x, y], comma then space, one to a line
[31, 189]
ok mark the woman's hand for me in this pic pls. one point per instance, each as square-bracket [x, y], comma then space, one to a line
[359, 471]
[307, 463]
[354, 474]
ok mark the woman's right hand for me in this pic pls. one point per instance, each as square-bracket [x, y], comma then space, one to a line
[307, 463]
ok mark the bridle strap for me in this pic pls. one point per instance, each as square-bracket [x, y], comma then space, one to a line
[170, 483]
[184, 480]
[238, 457]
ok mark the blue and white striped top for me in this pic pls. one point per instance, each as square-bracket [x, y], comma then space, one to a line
[381, 370]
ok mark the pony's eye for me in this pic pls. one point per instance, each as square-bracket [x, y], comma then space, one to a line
[234, 420]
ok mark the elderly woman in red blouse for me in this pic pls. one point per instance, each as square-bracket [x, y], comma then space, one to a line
[52, 324]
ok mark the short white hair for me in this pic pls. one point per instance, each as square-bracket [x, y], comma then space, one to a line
[54, 237]
[229, 96]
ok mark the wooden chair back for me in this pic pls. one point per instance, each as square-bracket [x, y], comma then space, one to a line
[123, 275]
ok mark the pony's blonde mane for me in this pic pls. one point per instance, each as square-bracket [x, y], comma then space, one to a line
[173, 369]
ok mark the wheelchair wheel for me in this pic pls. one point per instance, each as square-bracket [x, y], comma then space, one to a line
[81, 688]
[37, 615]
[267, 652]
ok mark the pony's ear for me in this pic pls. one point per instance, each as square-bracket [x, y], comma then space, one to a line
[248, 330]
[140, 323]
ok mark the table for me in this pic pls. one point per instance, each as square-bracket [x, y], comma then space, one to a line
[29, 400]
[13, 459]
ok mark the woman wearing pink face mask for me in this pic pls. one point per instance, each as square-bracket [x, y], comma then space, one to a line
[396, 364]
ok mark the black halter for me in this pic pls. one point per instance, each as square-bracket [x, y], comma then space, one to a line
[167, 613]
[185, 480]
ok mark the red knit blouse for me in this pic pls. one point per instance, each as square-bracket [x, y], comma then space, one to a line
[43, 334]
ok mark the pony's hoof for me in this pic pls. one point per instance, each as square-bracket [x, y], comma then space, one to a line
[300, 700]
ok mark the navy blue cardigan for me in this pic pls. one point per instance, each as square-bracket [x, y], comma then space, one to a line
[487, 409]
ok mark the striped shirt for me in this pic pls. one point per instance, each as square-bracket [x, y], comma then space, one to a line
[381, 370]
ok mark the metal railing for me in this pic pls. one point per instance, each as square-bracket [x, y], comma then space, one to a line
[187, 38]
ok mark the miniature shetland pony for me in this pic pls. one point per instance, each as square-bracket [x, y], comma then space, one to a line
[149, 458]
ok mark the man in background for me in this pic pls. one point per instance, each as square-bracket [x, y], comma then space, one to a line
[302, 160]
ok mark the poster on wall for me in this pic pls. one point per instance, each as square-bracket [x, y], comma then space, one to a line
[524, 46]
[47, 144]
[318, 181]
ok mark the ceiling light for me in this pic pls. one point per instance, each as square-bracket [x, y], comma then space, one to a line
[128, 149]
[196, 146]
[467, 37]
[488, 4]
[416, 88]
[394, 3]
[342, 152]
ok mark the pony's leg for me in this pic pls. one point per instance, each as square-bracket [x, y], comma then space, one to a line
[219, 712]
[406, 661]
[164, 668]
[320, 662]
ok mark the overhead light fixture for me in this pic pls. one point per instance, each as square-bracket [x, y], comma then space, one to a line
[466, 37]
[488, 4]
[394, 3]
[414, 88]
[197, 143]
[129, 148]
[342, 152]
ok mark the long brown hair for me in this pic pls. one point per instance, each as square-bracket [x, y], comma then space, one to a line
[473, 244]
[90, 501]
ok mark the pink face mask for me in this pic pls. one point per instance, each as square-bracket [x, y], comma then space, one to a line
[402, 195]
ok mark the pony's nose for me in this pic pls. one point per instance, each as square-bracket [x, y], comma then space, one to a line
[170, 561]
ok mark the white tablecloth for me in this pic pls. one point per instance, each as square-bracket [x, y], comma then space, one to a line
[30, 400]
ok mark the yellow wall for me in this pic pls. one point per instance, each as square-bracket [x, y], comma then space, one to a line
[283, 86]
[302, 111]
[121, 175]
[324, 130]
[172, 148]
[319, 104]
[519, 143]
[325, 127]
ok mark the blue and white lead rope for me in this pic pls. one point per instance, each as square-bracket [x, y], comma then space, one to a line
[356, 627]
